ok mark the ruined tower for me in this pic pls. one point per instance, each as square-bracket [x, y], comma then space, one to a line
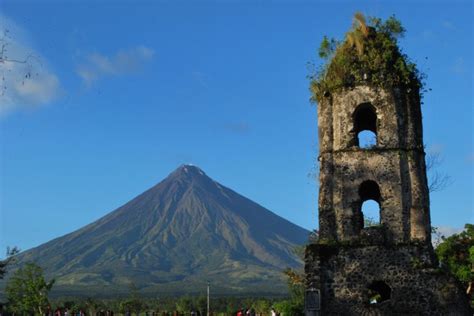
[387, 267]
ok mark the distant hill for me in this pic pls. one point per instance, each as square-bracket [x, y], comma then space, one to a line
[173, 238]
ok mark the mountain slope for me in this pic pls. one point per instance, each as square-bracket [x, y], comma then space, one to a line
[173, 238]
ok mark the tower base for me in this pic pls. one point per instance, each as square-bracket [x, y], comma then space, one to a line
[368, 279]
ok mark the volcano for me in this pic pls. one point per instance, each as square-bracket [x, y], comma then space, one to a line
[174, 238]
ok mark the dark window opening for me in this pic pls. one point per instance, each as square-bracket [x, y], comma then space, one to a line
[379, 291]
[369, 193]
[365, 126]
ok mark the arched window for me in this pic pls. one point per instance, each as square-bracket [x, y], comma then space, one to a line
[379, 291]
[369, 193]
[365, 126]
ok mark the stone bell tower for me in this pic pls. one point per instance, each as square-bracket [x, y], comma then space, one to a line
[392, 172]
[388, 268]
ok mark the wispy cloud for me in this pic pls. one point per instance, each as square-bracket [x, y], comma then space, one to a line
[448, 25]
[459, 66]
[447, 231]
[427, 35]
[444, 232]
[470, 158]
[123, 62]
[237, 127]
[435, 148]
[26, 80]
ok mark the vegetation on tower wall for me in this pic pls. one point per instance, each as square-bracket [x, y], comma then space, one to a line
[369, 54]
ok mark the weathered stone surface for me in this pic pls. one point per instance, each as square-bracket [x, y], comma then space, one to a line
[351, 263]
[345, 273]
[395, 164]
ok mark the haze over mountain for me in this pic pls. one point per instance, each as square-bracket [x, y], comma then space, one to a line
[173, 238]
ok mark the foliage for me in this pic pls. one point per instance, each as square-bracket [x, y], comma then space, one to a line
[184, 304]
[27, 291]
[290, 307]
[295, 304]
[262, 306]
[296, 279]
[91, 306]
[369, 54]
[11, 252]
[457, 254]
[132, 305]
[296, 288]
[220, 306]
[369, 221]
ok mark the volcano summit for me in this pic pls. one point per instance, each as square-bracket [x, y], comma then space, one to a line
[173, 238]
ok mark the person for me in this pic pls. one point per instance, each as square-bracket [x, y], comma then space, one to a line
[273, 312]
[193, 313]
[240, 313]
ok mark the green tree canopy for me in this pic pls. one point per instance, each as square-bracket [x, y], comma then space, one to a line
[368, 54]
[457, 254]
[27, 291]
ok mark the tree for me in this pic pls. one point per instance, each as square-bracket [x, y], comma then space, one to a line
[28, 62]
[296, 287]
[262, 307]
[293, 306]
[456, 253]
[91, 306]
[437, 180]
[295, 279]
[184, 304]
[4, 263]
[27, 291]
[133, 303]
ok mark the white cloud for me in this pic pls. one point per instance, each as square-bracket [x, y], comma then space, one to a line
[26, 81]
[123, 62]
[447, 231]
[444, 231]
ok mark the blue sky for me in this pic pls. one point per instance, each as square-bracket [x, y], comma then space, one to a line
[122, 93]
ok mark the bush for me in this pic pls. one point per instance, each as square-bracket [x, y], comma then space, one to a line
[369, 54]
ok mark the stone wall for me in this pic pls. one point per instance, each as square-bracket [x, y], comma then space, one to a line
[347, 273]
